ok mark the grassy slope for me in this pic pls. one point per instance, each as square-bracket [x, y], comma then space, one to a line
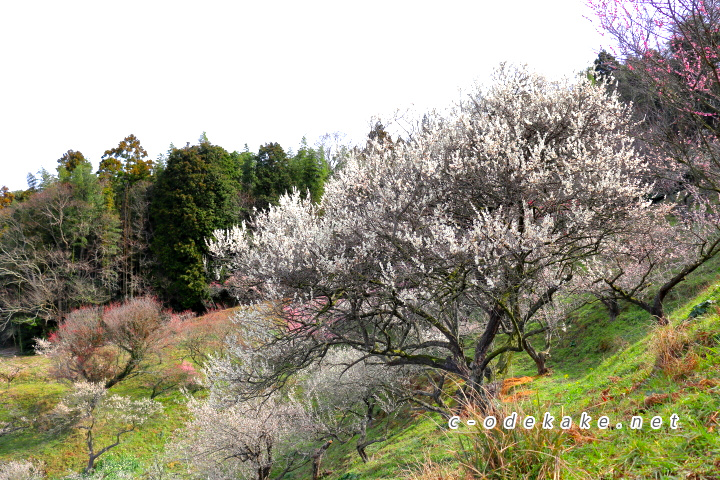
[34, 394]
[599, 367]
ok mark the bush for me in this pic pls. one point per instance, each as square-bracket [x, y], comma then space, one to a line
[671, 345]
[106, 345]
[499, 453]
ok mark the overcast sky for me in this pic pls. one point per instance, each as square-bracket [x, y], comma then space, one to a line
[82, 75]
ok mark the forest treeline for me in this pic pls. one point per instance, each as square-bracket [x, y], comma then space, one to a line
[138, 227]
[135, 226]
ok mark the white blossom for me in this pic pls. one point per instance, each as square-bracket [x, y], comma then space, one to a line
[482, 210]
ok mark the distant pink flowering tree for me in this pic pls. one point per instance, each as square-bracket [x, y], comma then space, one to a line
[672, 48]
[106, 345]
[163, 378]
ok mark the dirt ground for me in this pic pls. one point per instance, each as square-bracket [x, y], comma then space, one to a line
[8, 352]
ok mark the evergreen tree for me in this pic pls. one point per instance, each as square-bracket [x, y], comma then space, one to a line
[71, 160]
[196, 193]
[126, 172]
[272, 175]
[247, 163]
[309, 171]
[6, 197]
[128, 161]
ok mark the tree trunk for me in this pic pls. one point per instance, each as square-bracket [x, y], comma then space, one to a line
[657, 310]
[476, 392]
[611, 304]
[362, 442]
[361, 451]
[129, 368]
[538, 358]
[91, 449]
[263, 473]
[317, 458]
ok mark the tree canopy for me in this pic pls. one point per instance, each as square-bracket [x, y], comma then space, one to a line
[196, 193]
[472, 225]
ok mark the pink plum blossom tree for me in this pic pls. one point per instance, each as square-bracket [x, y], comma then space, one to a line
[108, 345]
[672, 49]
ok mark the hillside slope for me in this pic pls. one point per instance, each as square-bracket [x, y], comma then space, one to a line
[618, 369]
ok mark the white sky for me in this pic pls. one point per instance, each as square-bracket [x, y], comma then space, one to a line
[82, 75]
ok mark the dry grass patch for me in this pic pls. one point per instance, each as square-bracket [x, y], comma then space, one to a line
[429, 470]
[507, 395]
[671, 346]
[499, 453]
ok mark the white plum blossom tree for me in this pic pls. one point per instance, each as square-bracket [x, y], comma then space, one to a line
[88, 407]
[643, 265]
[340, 398]
[227, 439]
[473, 223]
[346, 395]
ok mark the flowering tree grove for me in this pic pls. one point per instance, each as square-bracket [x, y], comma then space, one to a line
[670, 51]
[672, 48]
[229, 440]
[347, 395]
[471, 225]
[341, 398]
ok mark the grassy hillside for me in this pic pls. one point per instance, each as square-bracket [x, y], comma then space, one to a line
[629, 367]
[32, 394]
[620, 369]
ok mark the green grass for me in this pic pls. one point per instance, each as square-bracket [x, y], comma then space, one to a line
[598, 367]
[34, 394]
[409, 447]
[601, 368]
[624, 381]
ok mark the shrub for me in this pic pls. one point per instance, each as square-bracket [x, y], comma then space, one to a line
[106, 345]
[671, 344]
[78, 348]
